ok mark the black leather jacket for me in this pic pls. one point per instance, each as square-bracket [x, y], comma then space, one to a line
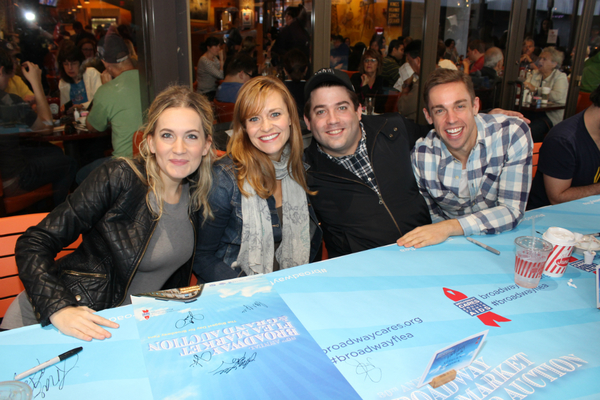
[109, 209]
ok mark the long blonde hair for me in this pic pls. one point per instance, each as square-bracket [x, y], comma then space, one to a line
[251, 163]
[201, 179]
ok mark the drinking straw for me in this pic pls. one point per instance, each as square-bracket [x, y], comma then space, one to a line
[533, 232]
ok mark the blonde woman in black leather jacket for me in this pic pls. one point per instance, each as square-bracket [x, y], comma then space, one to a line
[124, 210]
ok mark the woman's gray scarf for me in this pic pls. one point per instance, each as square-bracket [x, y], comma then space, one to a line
[256, 252]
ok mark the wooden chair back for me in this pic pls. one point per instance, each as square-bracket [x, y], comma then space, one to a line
[535, 158]
[583, 102]
[223, 111]
[137, 139]
[10, 230]
[14, 204]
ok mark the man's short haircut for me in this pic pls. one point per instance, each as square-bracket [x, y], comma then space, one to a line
[477, 45]
[6, 61]
[308, 105]
[394, 44]
[555, 55]
[528, 39]
[241, 63]
[492, 56]
[77, 25]
[441, 76]
[595, 97]
[295, 63]
[413, 49]
[448, 42]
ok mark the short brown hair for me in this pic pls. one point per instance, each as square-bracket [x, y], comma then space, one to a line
[477, 45]
[442, 76]
[308, 105]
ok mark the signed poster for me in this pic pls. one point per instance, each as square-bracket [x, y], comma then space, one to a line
[104, 369]
[239, 340]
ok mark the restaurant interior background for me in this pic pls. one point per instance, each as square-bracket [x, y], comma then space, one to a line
[167, 35]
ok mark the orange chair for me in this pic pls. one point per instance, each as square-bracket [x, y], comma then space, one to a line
[536, 156]
[391, 102]
[350, 73]
[10, 230]
[223, 111]
[11, 205]
[583, 102]
[137, 139]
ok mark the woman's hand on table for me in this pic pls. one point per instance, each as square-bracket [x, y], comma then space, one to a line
[82, 323]
[428, 235]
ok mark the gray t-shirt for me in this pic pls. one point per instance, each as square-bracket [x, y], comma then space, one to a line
[171, 245]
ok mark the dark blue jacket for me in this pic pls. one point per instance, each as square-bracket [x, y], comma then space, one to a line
[219, 239]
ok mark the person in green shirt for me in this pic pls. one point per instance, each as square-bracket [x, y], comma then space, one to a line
[117, 103]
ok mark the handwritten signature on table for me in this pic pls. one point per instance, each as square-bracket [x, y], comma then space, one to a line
[254, 305]
[189, 319]
[199, 359]
[367, 369]
[234, 365]
[52, 377]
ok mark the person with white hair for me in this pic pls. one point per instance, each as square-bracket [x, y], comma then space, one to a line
[548, 75]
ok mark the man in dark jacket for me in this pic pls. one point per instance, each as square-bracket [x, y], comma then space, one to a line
[360, 166]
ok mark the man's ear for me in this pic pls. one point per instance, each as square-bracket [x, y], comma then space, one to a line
[476, 106]
[427, 116]
[307, 121]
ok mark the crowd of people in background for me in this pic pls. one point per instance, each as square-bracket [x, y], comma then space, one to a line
[269, 201]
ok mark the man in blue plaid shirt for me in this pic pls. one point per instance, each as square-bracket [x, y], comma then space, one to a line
[474, 170]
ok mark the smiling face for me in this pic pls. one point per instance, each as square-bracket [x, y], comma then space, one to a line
[179, 143]
[333, 120]
[269, 130]
[452, 112]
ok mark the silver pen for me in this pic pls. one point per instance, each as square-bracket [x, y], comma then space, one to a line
[485, 246]
[48, 363]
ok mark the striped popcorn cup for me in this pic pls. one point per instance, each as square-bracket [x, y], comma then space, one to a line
[563, 242]
[530, 256]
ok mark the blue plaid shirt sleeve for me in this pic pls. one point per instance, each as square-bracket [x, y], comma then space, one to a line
[513, 186]
[435, 211]
[499, 176]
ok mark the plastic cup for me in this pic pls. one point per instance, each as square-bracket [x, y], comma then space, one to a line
[563, 241]
[530, 256]
[369, 105]
[588, 257]
[15, 390]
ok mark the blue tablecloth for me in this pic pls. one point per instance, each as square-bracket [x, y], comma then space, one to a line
[380, 315]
